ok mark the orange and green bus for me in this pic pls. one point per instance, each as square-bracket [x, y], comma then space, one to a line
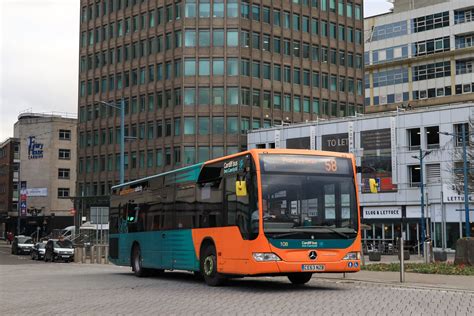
[262, 212]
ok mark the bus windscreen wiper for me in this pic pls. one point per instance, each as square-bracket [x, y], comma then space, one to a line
[283, 235]
[298, 228]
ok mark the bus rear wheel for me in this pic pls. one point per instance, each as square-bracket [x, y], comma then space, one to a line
[300, 278]
[137, 266]
[209, 267]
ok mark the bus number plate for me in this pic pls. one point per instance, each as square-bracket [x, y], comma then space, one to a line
[312, 267]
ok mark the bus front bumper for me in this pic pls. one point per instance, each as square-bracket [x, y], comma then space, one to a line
[286, 267]
[319, 267]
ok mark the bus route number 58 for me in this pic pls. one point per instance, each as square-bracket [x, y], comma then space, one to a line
[331, 166]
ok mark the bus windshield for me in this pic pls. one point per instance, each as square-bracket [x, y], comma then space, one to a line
[307, 197]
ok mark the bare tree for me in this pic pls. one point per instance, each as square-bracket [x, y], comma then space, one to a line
[456, 166]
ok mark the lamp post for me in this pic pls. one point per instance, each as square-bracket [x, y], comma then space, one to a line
[122, 136]
[421, 156]
[465, 171]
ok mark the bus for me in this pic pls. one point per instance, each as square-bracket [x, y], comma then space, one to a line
[262, 212]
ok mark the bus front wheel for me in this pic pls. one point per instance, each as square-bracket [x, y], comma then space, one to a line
[209, 267]
[137, 266]
[300, 278]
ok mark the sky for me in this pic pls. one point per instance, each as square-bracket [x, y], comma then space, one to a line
[39, 48]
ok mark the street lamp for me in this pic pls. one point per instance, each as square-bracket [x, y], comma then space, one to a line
[420, 157]
[464, 156]
[122, 136]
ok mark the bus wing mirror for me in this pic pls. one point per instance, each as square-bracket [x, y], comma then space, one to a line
[241, 188]
[373, 186]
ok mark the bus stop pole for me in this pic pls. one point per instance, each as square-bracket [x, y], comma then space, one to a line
[96, 227]
[402, 259]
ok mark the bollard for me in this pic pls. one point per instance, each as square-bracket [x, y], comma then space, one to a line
[77, 255]
[99, 254]
[92, 254]
[84, 255]
[106, 259]
[426, 251]
[402, 260]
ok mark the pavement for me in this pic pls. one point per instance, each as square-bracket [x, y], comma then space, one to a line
[452, 282]
[31, 287]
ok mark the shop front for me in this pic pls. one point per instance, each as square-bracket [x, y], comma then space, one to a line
[384, 225]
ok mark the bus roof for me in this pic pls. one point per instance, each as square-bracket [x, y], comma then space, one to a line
[251, 151]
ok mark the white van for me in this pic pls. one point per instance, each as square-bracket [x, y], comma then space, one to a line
[69, 232]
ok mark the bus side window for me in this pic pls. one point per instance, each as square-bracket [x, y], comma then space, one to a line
[238, 211]
[209, 208]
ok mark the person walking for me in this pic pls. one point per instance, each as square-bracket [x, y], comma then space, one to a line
[10, 237]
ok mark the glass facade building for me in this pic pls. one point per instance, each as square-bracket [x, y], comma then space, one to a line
[197, 75]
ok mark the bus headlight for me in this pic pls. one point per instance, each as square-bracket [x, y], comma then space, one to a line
[265, 256]
[352, 256]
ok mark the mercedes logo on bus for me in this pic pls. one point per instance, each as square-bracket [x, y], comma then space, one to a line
[312, 255]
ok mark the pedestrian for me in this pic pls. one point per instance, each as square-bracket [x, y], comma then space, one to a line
[10, 237]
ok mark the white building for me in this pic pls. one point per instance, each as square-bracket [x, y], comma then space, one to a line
[422, 54]
[384, 145]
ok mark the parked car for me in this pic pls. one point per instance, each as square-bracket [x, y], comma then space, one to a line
[37, 252]
[59, 249]
[22, 245]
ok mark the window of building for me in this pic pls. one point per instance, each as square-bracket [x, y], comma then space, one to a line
[232, 67]
[245, 96]
[432, 137]
[203, 126]
[204, 67]
[190, 38]
[218, 66]
[414, 175]
[190, 9]
[203, 153]
[218, 125]
[232, 38]
[232, 96]
[64, 154]
[204, 9]
[64, 173]
[232, 125]
[414, 139]
[189, 126]
[204, 96]
[430, 22]
[458, 132]
[256, 12]
[64, 134]
[204, 38]
[63, 193]
[232, 9]
[218, 37]
[218, 96]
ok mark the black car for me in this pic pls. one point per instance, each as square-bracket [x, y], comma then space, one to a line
[57, 249]
[37, 252]
[22, 245]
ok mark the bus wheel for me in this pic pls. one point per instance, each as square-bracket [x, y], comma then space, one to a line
[209, 267]
[300, 278]
[137, 262]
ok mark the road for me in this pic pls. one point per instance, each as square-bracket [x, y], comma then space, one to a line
[30, 287]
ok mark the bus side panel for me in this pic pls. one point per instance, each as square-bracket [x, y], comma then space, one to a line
[151, 246]
[234, 253]
[178, 251]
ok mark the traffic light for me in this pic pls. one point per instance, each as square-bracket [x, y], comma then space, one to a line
[373, 186]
